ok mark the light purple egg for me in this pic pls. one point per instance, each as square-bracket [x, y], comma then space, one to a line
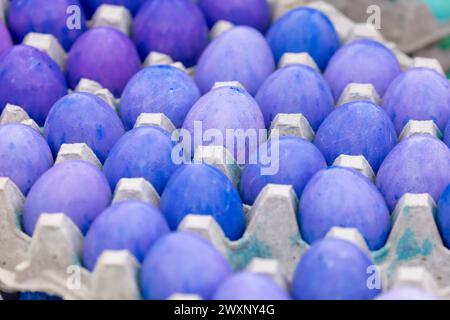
[240, 54]
[406, 293]
[418, 94]
[76, 188]
[223, 110]
[24, 155]
[5, 38]
[31, 80]
[174, 27]
[362, 61]
[419, 164]
[105, 55]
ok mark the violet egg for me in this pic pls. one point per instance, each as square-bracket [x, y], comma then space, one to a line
[5, 38]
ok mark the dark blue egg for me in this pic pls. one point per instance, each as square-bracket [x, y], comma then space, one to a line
[144, 152]
[294, 161]
[334, 269]
[182, 263]
[83, 118]
[203, 189]
[130, 225]
[159, 89]
[357, 128]
[28, 295]
[31, 80]
[304, 30]
[295, 89]
[340, 197]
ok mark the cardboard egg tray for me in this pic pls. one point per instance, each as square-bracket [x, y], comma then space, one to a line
[50, 262]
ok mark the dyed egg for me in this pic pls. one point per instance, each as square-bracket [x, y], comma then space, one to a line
[203, 189]
[28, 295]
[225, 110]
[419, 164]
[24, 155]
[362, 61]
[31, 80]
[296, 89]
[5, 38]
[418, 94]
[83, 118]
[75, 188]
[406, 293]
[333, 269]
[130, 225]
[44, 16]
[293, 162]
[105, 55]
[144, 152]
[253, 13]
[250, 286]
[159, 89]
[443, 216]
[182, 263]
[304, 30]
[92, 5]
[357, 128]
[240, 54]
[340, 197]
[174, 27]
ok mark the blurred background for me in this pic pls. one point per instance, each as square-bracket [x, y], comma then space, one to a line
[418, 27]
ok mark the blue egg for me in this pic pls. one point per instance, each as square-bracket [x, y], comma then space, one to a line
[334, 269]
[28, 295]
[295, 89]
[203, 189]
[250, 286]
[340, 197]
[419, 164]
[443, 216]
[24, 155]
[144, 152]
[159, 89]
[83, 118]
[130, 225]
[240, 54]
[295, 161]
[362, 61]
[182, 263]
[357, 128]
[418, 94]
[304, 30]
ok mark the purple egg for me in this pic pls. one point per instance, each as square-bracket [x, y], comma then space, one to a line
[304, 30]
[203, 190]
[44, 16]
[75, 188]
[105, 55]
[253, 13]
[144, 152]
[362, 61]
[240, 54]
[333, 269]
[223, 110]
[174, 27]
[31, 80]
[5, 38]
[130, 225]
[250, 286]
[298, 160]
[406, 293]
[418, 94]
[357, 128]
[92, 5]
[83, 118]
[159, 89]
[419, 164]
[296, 89]
[182, 263]
[24, 155]
[340, 197]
